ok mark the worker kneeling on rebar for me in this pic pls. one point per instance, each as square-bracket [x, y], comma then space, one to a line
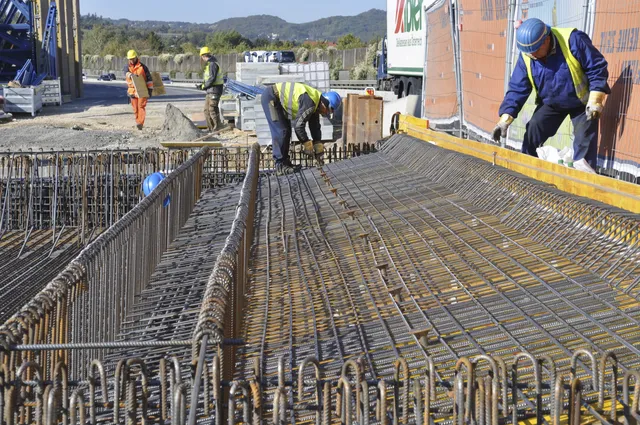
[302, 104]
[568, 76]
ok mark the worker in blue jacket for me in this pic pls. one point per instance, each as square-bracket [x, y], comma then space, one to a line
[568, 75]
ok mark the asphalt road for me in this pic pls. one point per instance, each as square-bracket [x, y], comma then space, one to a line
[107, 93]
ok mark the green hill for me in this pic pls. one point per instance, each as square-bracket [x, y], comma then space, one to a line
[366, 25]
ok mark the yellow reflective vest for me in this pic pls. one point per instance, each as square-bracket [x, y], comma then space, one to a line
[289, 94]
[580, 80]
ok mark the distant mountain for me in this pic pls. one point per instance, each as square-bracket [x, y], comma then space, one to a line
[366, 25]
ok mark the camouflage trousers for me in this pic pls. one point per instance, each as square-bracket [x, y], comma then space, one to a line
[212, 112]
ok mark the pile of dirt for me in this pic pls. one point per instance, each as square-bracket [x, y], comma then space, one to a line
[177, 127]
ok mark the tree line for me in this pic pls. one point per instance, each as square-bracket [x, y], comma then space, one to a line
[104, 40]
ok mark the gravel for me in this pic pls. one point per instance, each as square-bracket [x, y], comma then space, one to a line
[59, 138]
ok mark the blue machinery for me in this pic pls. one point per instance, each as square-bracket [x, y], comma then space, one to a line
[16, 32]
[33, 73]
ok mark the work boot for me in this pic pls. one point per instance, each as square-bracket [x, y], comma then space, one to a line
[284, 169]
[220, 126]
[139, 126]
[288, 162]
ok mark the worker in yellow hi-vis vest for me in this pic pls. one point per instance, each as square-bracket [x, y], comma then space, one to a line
[286, 102]
[214, 86]
[568, 76]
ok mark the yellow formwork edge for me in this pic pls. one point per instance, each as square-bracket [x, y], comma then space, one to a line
[593, 186]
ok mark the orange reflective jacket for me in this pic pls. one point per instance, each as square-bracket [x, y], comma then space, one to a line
[139, 69]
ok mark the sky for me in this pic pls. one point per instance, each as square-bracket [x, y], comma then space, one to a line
[295, 11]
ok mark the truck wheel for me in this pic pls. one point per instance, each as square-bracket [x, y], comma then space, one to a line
[414, 86]
[402, 86]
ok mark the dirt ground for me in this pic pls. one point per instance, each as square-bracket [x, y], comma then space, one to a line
[103, 119]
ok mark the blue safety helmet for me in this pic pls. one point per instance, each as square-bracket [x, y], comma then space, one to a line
[531, 34]
[334, 99]
[151, 181]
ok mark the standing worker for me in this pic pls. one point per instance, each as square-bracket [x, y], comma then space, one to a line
[302, 104]
[139, 104]
[568, 75]
[214, 85]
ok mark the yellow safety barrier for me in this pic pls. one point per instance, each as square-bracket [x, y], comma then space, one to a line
[613, 192]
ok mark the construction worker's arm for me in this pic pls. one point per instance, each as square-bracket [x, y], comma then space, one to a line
[306, 110]
[595, 68]
[314, 127]
[517, 95]
[518, 92]
[148, 78]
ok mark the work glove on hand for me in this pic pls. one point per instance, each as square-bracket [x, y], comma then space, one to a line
[500, 129]
[307, 148]
[594, 105]
[128, 75]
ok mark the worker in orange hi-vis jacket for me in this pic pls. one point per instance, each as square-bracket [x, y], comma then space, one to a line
[139, 104]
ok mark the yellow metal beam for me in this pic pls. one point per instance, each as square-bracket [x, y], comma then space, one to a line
[593, 186]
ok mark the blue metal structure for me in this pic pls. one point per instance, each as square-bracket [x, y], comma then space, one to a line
[30, 75]
[241, 88]
[47, 64]
[16, 35]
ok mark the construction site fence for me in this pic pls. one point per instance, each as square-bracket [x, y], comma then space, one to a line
[94, 189]
[52, 373]
[471, 53]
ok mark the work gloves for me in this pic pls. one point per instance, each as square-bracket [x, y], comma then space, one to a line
[314, 150]
[500, 129]
[594, 105]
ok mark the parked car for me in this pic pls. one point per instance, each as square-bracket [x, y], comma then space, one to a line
[112, 76]
[104, 77]
[166, 80]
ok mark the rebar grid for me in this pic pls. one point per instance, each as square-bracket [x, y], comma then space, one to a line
[94, 189]
[374, 296]
[88, 301]
[30, 260]
[369, 260]
[604, 239]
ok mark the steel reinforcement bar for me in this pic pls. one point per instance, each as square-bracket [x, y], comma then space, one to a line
[88, 300]
[602, 238]
[86, 190]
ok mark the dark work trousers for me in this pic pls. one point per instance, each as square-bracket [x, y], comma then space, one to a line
[279, 125]
[545, 123]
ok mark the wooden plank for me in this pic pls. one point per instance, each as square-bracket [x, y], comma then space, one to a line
[140, 85]
[193, 144]
[158, 85]
[345, 119]
[610, 191]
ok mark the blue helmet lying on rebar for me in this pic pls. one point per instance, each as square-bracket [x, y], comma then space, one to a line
[531, 34]
[334, 99]
[151, 181]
